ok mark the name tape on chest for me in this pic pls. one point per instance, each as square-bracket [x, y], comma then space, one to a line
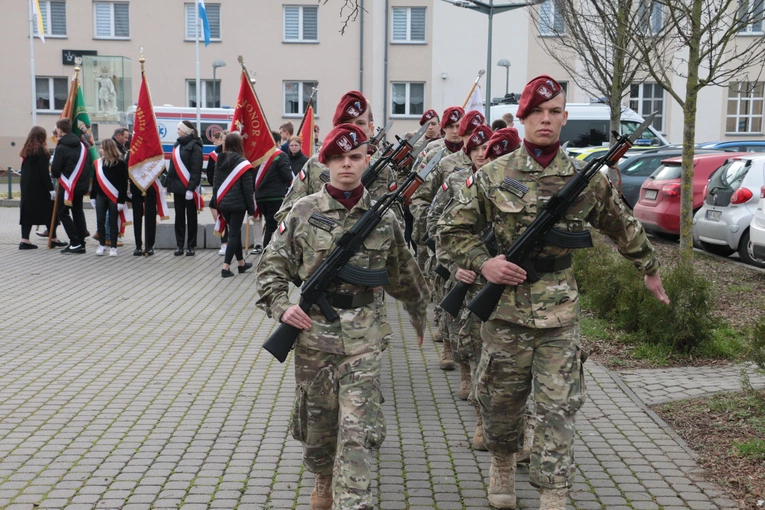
[324, 176]
[321, 222]
[515, 187]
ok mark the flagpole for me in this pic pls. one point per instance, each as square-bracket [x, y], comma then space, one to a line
[33, 85]
[310, 102]
[199, 88]
[475, 84]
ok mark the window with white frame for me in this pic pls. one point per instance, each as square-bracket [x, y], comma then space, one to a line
[210, 93]
[650, 17]
[407, 99]
[296, 96]
[301, 23]
[194, 27]
[551, 18]
[50, 93]
[750, 15]
[745, 108]
[53, 18]
[408, 25]
[111, 20]
[646, 98]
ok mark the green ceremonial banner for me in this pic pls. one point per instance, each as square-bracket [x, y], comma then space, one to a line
[75, 110]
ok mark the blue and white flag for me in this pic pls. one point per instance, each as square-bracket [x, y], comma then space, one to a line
[205, 22]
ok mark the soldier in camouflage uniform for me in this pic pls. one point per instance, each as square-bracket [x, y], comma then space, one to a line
[421, 202]
[353, 108]
[533, 335]
[337, 414]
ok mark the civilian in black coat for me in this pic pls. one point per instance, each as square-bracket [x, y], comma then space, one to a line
[296, 157]
[218, 138]
[269, 194]
[183, 195]
[116, 173]
[37, 192]
[236, 202]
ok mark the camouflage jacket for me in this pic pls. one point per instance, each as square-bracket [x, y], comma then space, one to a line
[300, 246]
[314, 175]
[423, 197]
[492, 196]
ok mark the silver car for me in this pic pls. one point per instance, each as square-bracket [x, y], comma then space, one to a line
[721, 225]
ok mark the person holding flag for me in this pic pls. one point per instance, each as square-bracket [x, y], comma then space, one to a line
[183, 179]
[108, 194]
[71, 163]
[232, 193]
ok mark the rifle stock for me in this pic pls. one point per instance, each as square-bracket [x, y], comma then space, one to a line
[452, 303]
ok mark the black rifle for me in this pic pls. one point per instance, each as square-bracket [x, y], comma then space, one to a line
[313, 291]
[380, 136]
[541, 229]
[399, 155]
[452, 303]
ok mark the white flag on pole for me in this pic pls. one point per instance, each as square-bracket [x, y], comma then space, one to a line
[475, 102]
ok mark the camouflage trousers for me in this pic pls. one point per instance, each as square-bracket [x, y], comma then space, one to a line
[513, 359]
[338, 418]
[469, 347]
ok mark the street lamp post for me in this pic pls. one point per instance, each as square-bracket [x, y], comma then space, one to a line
[215, 65]
[490, 9]
[506, 64]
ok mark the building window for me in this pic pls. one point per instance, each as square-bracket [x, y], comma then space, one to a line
[50, 93]
[551, 18]
[407, 99]
[112, 20]
[301, 23]
[194, 29]
[750, 16]
[53, 18]
[650, 17]
[745, 102]
[296, 96]
[408, 25]
[210, 93]
[646, 98]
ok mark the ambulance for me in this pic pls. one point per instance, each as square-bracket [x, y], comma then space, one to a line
[168, 117]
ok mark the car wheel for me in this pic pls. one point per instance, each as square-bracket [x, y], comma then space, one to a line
[743, 252]
[717, 249]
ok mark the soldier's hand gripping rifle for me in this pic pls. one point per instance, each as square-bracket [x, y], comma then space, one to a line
[313, 291]
[399, 155]
[541, 229]
[452, 303]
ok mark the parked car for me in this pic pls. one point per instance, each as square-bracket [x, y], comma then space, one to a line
[734, 145]
[638, 167]
[721, 226]
[757, 230]
[658, 206]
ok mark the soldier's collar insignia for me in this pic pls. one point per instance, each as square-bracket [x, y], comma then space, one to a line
[324, 176]
[537, 152]
[301, 175]
[321, 222]
[470, 181]
[282, 227]
[514, 187]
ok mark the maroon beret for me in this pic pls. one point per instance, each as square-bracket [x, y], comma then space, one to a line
[480, 136]
[451, 115]
[351, 105]
[343, 138]
[503, 141]
[427, 116]
[537, 91]
[469, 122]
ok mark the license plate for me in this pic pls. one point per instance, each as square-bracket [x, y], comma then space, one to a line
[713, 215]
[651, 194]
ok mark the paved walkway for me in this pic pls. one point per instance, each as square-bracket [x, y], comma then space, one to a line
[139, 383]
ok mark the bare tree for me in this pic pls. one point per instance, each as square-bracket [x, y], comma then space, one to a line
[705, 43]
[590, 39]
[349, 12]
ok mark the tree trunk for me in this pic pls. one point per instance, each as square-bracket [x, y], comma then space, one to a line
[689, 137]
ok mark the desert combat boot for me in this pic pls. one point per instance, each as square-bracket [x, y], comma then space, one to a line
[321, 497]
[464, 391]
[502, 481]
[447, 361]
[553, 499]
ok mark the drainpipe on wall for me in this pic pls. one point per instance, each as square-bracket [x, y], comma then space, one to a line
[361, 49]
[385, 66]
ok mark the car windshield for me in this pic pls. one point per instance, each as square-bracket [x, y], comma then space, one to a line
[643, 166]
[730, 175]
[667, 171]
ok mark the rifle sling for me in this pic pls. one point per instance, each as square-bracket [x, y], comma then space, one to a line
[441, 271]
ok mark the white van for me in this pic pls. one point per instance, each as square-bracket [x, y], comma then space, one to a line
[588, 125]
[168, 117]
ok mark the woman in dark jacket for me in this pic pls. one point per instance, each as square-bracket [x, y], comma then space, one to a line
[296, 156]
[217, 138]
[234, 199]
[269, 194]
[184, 185]
[108, 194]
[37, 191]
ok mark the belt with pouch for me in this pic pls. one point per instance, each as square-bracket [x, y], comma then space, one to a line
[351, 300]
[551, 265]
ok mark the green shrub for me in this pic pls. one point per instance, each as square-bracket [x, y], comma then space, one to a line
[756, 349]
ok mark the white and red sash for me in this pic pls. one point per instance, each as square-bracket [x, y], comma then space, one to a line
[69, 183]
[185, 176]
[262, 169]
[161, 192]
[236, 173]
[214, 156]
[110, 190]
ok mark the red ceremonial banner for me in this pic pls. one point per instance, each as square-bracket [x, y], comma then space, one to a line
[146, 157]
[306, 133]
[250, 121]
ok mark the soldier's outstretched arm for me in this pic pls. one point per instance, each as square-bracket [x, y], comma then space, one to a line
[278, 266]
